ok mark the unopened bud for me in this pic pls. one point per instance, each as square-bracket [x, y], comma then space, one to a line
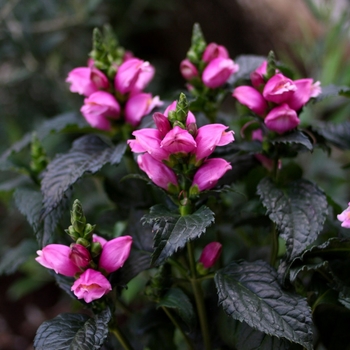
[88, 231]
[96, 249]
[78, 219]
[210, 254]
[72, 233]
[79, 255]
[83, 242]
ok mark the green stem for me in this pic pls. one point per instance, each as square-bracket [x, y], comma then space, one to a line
[177, 325]
[198, 295]
[121, 338]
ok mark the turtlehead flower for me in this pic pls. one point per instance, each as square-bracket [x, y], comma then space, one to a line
[257, 76]
[57, 258]
[218, 71]
[99, 108]
[178, 140]
[79, 255]
[344, 217]
[252, 98]
[213, 51]
[210, 254]
[282, 119]
[188, 69]
[279, 89]
[91, 285]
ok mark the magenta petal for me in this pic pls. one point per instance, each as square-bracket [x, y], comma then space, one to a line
[250, 97]
[188, 69]
[344, 217]
[257, 76]
[282, 119]
[114, 253]
[99, 239]
[210, 254]
[302, 95]
[213, 51]
[178, 140]
[162, 123]
[279, 89]
[80, 82]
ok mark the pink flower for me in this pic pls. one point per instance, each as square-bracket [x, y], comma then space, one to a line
[282, 119]
[252, 98]
[218, 71]
[178, 140]
[114, 253]
[188, 69]
[148, 140]
[279, 89]
[87, 80]
[133, 76]
[257, 76]
[56, 257]
[305, 90]
[162, 123]
[79, 255]
[157, 171]
[91, 285]
[210, 172]
[344, 217]
[210, 254]
[98, 108]
[99, 239]
[138, 106]
[257, 135]
[209, 136]
[213, 51]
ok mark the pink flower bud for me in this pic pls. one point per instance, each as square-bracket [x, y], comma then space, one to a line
[79, 255]
[282, 119]
[157, 171]
[86, 80]
[209, 136]
[172, 107]
[99, 239]
[178, 140]
[148, 140]
[56, 257]
[188, 69]
[114, 253]
[279, 89]
[138, 106]
[210, 172]
[257, 76]
[344, 217]
[133, 76]
[162, 123]
[305, 90]
[252, 98]
[91, 285]
[210, 254]
[98, 108]
[218, 71]
[257, 135]
[213, 51]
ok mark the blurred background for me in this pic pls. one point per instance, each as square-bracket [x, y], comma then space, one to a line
[42, 40]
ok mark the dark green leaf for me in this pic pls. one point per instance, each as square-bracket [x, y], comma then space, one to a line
[330, 91]
[296, 137]
[176, 299]
[336, 134]
[16, 256]
[87, 156]
[250, 292]
[73, 331]
[173, 231]
[64, 282]
[247, 63]
[299, 211]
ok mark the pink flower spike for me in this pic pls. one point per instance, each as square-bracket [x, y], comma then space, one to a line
[56, 257]
[218, 71]
[252, 98]
[178, 140]
[98, 108]
[210, 172]
[188, 69]
[79, 255]
[157, 171]
[99, 239]
[210, 254]
[80, 81]
[138, 106]
[162, 123]
[91, 285]
[257, 76]
[209, 136]
[282, 119]
[344, 217]
[213, 51]
[279, 89]
[114, 253]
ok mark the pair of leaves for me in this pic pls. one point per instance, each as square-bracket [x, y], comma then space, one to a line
[87, 156]
[250, 293]
[73, 331]
[173, 231]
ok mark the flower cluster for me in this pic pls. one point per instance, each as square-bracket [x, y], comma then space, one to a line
[89, 260]
[276, 99]
[175, 154]
[213, 70]
[117, 95]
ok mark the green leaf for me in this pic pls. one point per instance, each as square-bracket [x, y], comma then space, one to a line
[173, 231]
[16, 256]
[176, 299]
[330, 91]
[73, 331]
[298, 209]
[87, 156]
[336, 134]
[296, 137]
[249, 292]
